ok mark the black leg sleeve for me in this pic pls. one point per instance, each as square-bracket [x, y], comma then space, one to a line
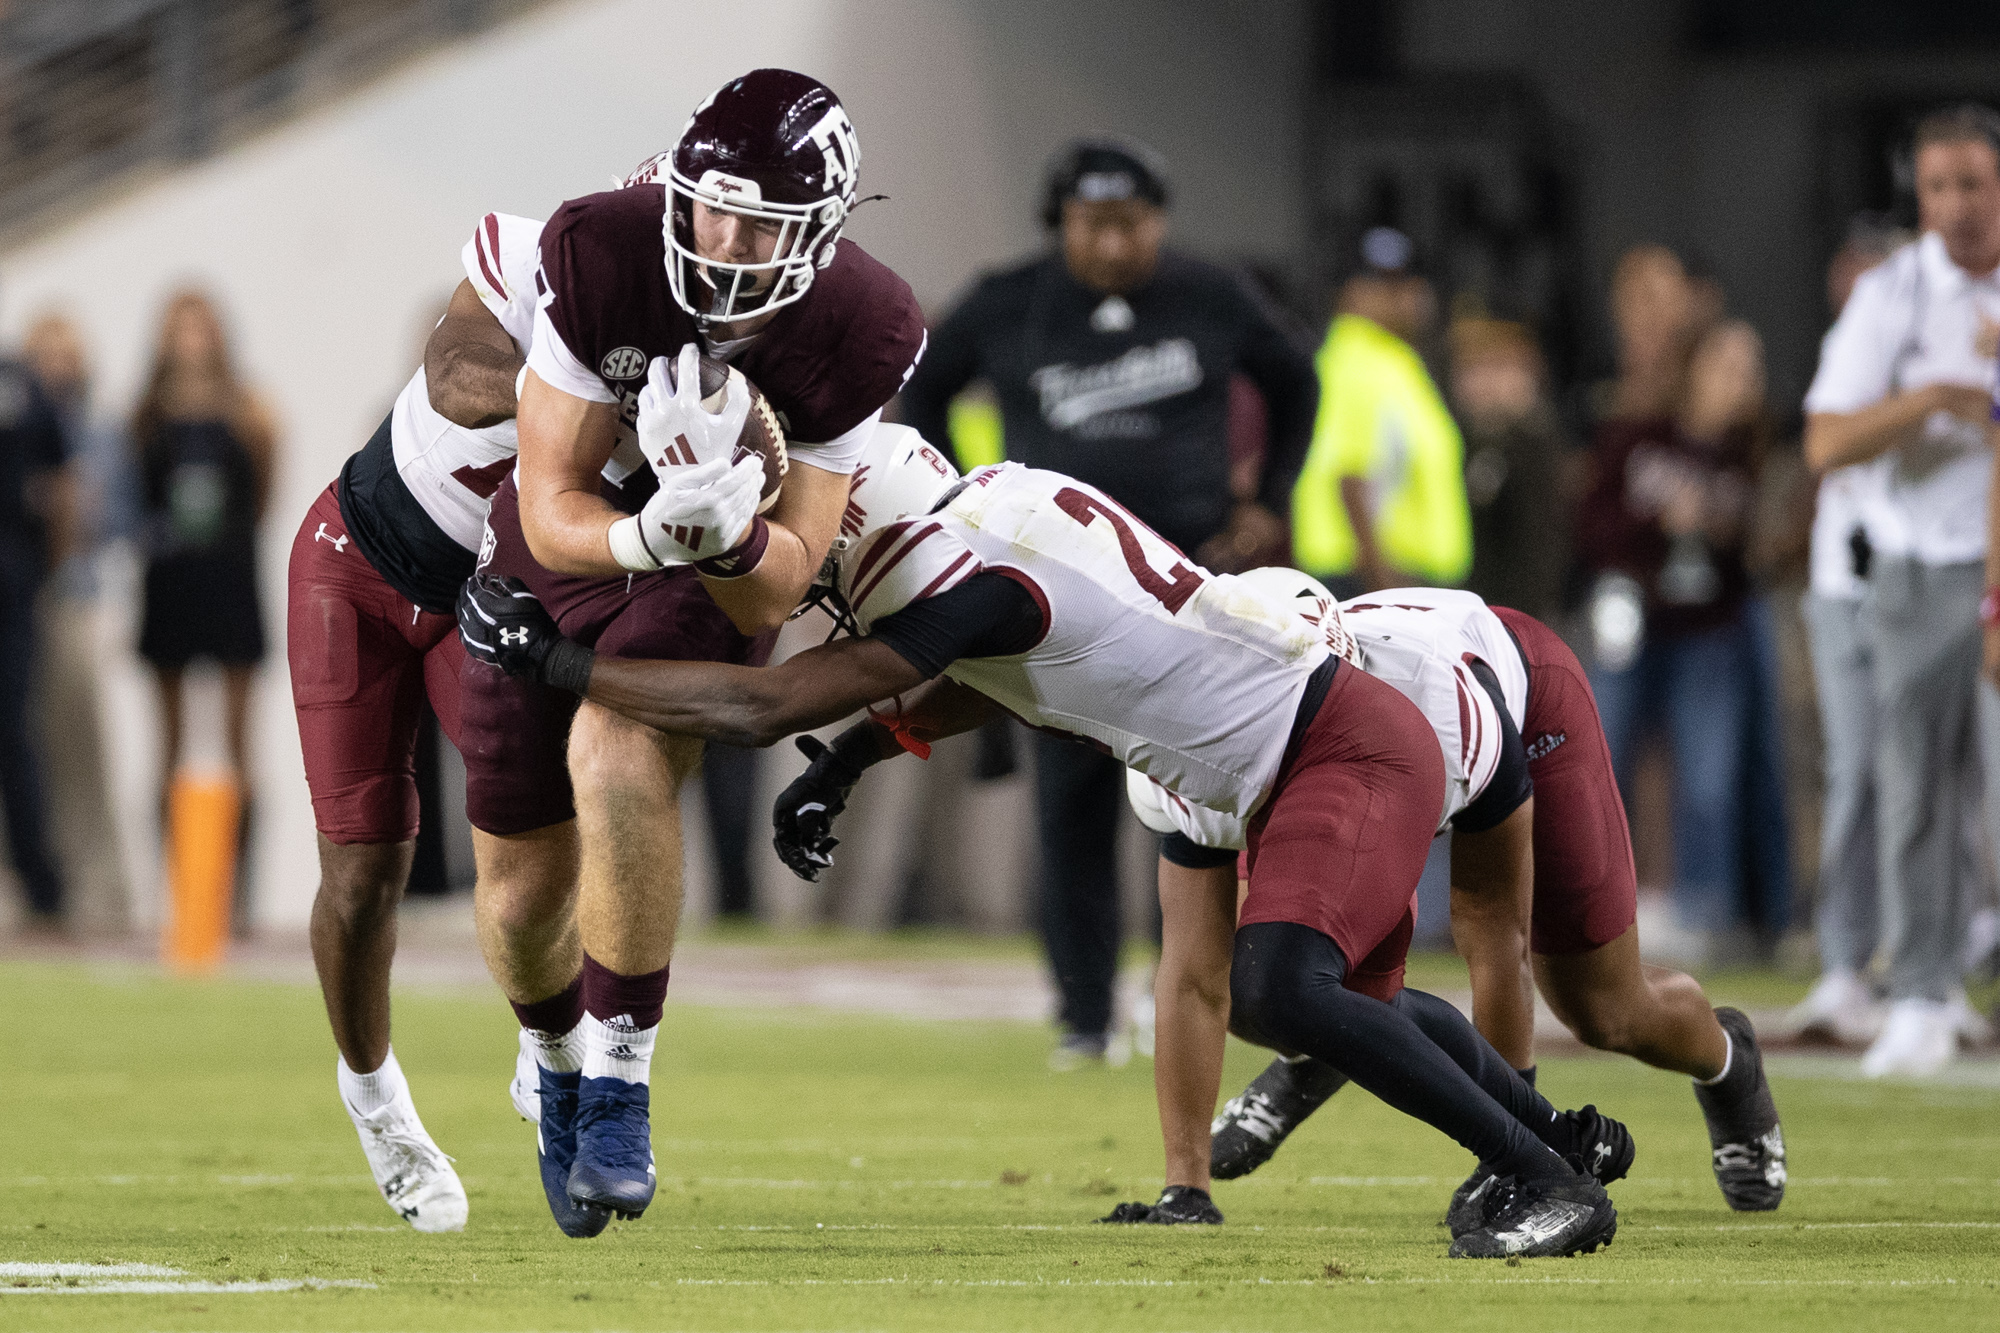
[1078, 793]
[1285, 991]
[1452, 1033]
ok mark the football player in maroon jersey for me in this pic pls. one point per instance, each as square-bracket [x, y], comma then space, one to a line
[631, 523]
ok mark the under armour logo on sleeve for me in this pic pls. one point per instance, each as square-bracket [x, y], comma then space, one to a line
[339, 543]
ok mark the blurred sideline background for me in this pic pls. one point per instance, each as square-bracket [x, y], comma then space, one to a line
[316, 165]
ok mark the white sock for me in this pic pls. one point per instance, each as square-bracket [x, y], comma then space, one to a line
[366, 1094]
[557, 1052]
[615, 1048]
[1728, 1056]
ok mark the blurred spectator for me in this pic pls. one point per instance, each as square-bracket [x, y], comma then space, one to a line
[71, 695]
[1518, 475]
[1382, 499]
[1845, 916]
[1661, 530]
[205, 450]
[1904, 386]
[1111, 360]
[36, 520]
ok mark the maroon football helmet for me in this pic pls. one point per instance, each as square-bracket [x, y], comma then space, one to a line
[772, 145]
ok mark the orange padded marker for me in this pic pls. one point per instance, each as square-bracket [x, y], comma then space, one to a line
[203, 812]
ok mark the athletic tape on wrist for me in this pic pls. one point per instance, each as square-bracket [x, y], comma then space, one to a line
[628, 546]
[740, 559]
[568, 666]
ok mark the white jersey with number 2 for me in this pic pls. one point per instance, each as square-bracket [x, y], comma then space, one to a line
[1191, 678]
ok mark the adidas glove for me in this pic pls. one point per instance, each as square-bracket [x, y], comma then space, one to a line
[705, 504]
[504, 625]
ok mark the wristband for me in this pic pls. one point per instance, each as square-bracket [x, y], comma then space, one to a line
[568, 666]
[741, 558]
[628, 546]
[854, 750]
[899, 727]
[520, 383]
[1989, 608]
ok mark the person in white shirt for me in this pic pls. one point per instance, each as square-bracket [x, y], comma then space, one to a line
[1903, 388]
[1844, 917]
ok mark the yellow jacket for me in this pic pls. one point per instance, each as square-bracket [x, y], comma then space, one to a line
[1382, 419]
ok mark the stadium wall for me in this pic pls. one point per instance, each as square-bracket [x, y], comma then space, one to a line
[332, 242]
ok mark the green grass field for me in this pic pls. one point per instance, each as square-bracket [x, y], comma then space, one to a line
[836, 1172]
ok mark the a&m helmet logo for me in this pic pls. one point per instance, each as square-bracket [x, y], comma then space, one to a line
[623, 363]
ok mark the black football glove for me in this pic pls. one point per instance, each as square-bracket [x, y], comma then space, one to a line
[803, 818]
[505, 625]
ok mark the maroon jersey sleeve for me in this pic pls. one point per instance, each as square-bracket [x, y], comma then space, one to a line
[604, 287]
[840, 354]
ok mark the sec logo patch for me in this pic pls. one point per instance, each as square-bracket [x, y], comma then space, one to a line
[623, 363]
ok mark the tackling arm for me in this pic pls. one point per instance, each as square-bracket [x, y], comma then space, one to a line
[470, 364]
[752, 706]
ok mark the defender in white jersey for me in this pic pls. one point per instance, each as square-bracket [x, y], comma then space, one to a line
[1531, 842]
[375, 572]
[1028, 591]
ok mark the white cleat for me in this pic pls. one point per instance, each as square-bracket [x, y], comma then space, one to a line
[413, 1173]
[1918, 1040]
[526, 1089]
[1840, 1006]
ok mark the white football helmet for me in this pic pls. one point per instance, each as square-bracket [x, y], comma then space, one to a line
[900, 474]
[1316, 604]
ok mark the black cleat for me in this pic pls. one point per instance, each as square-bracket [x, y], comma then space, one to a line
[1179, 1205]
[1603, 1145]
[1743, 1129]
[1471, 1201]
[1253, 1124]
[1539, 1219]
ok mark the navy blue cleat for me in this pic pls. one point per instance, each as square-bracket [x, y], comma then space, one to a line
[555, 1146]
[614, 1147]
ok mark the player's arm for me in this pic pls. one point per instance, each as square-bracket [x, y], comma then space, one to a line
[470, 363]
[753, 706]
[1836, 439]
[1492, 898]
[799, 529]
[565, 442]
[1191, 1004]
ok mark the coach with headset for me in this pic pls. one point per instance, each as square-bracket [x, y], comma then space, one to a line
[1903, 392]
[1111, 359]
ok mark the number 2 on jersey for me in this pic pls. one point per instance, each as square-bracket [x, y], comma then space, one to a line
[1172, 589]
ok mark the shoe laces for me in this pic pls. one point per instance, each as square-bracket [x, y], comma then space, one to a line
[617, 1128]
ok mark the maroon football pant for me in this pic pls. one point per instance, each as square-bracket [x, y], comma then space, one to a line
[515, 733]
[363, 659]
[1341, 842]
[1586, 887]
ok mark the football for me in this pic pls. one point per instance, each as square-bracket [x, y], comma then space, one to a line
[762, 435]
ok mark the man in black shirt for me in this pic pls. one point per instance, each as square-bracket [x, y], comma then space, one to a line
[1111, 361]
[34, 495]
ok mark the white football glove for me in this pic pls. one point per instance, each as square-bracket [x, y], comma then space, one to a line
[698, 512]
[675, 431]
[704, 504]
